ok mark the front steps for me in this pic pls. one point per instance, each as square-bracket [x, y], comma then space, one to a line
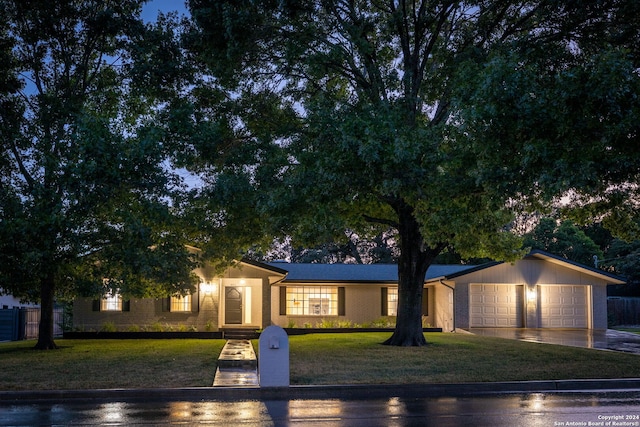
[239, 334]
[237, 365]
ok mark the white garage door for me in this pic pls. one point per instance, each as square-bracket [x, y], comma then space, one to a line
[494, 306]
[563, 306]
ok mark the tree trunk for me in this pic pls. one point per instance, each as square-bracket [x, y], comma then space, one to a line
[412, 267]
[47, 297]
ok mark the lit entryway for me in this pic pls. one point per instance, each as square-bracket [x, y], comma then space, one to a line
[233, 306]
[240, 304]
[563, 306]
[494, 306]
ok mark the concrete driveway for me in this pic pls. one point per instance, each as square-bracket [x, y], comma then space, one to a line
[603, 340]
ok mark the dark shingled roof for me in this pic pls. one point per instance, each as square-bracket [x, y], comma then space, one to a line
[387, 273]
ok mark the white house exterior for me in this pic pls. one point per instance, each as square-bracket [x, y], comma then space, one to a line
[539, 291]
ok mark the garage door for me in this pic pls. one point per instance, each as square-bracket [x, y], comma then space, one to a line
[493, 306]
[563, 306]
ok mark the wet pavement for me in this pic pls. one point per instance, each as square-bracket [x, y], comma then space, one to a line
[237, 365]
[522, 410]
[587, 338]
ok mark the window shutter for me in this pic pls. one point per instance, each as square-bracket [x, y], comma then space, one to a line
[283, 300]
[195, 302]
[341, 302]
[385, 301]
[425, 302]
[166, 304]
[126, 305]
[95, 305]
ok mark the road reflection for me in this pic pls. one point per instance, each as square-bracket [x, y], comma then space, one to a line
[531, 410]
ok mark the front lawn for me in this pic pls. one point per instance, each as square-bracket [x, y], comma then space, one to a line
[354, 358]
[448, 358]
[96, 364]
[633, 330]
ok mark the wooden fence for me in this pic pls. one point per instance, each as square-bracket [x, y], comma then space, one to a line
[22, 323]
[623, 311]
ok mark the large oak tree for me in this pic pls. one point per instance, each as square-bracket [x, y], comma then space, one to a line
[440, 119]
[86, 199]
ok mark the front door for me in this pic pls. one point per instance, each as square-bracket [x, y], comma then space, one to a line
[233, 306]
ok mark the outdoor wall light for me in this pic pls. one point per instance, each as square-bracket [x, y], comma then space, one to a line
[207, 287]
[531, 295]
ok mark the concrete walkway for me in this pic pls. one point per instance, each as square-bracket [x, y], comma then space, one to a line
[237, 365]
[588, 338]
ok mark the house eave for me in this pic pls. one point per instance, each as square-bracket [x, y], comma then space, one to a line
[609, 277]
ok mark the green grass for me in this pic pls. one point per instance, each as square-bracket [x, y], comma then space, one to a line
[355, 358]
[633, 330]
[448, 358]
[97, 364]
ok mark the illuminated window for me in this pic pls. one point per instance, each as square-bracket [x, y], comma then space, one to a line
[111, 302]
[312, 301]
[181, 303]
[392, 302]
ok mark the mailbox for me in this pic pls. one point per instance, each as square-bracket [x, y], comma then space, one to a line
[273, 357]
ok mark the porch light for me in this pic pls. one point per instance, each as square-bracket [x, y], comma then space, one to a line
[532, 295]
[208, 288]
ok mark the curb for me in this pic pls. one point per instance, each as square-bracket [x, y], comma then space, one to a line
[352, 392]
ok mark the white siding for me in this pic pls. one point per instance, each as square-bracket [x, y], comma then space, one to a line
[495, 306]
[564, 306]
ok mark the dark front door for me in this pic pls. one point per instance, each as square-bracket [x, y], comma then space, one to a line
[233, 306]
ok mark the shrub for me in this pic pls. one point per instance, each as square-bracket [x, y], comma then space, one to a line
[325, 324]
[156, 327]
[384, 322]
[108, 327]
[292, 324]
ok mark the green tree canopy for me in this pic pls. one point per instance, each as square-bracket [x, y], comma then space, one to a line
[85, 197]
[565, 240]
[437, 118]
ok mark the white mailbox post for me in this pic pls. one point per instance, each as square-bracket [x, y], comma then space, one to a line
[273, 357]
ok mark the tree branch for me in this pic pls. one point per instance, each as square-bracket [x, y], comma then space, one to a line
[382, 221]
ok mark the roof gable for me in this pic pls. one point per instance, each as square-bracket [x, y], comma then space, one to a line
[546, 256]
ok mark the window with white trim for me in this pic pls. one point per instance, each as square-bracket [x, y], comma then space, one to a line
[392, 302]
[112, 302]
[312, 301]
[181, 303]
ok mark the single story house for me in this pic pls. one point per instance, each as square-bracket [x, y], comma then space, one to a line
[540, 291]
[9, 301]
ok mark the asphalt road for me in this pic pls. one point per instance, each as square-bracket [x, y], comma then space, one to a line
[607, 409]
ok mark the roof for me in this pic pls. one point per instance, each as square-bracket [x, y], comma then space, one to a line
[612, 278]
[356, 273]
[546, 256]
[388, 273]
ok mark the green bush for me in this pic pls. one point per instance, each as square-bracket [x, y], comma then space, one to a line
[384, 322]
[108, 327]
[156, 327]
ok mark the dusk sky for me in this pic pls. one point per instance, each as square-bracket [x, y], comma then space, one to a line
[150, 10]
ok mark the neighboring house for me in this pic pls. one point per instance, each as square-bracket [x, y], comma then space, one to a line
[9, 301]
[539, 291]
[20, 320]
